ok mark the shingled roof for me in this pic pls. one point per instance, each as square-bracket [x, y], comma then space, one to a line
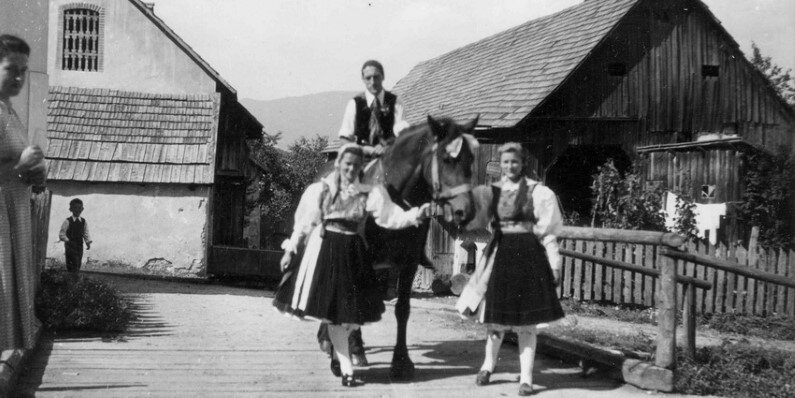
[119, 136]
[505, 76]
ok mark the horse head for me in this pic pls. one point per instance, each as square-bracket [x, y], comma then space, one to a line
[431, 162]
[449, 169]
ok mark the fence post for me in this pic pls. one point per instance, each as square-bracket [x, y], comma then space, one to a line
[666, 317]
[689, 319]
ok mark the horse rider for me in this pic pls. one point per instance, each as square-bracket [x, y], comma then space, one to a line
[372, 119]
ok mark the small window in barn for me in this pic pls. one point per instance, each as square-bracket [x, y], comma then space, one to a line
[81, 41]
[710, 70]
[617, 69]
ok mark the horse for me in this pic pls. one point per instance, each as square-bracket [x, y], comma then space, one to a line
[429, 162]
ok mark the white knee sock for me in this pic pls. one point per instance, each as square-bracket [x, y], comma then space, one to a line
[339, 337]
[493, 343]
[527, 353]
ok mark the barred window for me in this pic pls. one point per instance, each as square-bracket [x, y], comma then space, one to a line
[81, 38]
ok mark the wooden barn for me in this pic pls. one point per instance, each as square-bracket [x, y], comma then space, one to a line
[148, 135]
[658, 81]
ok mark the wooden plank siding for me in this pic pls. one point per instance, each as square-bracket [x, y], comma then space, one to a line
[731, 292]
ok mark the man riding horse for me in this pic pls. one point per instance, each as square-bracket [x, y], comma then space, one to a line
[372, 119]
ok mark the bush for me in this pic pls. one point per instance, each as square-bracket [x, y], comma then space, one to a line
[769, 327]
[621, 201]
[737, 370]
[71, 302]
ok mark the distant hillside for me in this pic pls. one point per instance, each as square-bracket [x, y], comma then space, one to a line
[306, 116]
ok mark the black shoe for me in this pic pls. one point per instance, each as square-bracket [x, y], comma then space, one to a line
[483, 378]
[525, 389]
[349, 381]
[335, 368]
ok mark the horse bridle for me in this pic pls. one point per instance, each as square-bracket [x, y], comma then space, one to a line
[443, 194]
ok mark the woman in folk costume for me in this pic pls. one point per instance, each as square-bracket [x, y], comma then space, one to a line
[513, 287]
[330, 278]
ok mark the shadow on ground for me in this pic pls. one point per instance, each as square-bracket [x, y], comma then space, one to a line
[148, 323]
[140, 284]
[456, 358]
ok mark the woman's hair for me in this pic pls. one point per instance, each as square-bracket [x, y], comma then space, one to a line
[518, 149]
[12, 44]
[349, 148]
[374, 64]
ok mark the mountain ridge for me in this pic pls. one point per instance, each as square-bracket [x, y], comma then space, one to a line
[301, 116]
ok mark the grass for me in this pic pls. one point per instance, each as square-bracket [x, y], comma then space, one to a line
[737, 370]
[69, 302]
[767, 327]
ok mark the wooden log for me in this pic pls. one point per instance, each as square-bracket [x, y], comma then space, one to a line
[666, 315]
[620, 235]
[729, 266]
[632, 267]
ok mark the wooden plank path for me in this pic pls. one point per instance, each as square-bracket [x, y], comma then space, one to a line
[210, 341]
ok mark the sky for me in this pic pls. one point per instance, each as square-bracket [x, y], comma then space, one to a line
[269, 49]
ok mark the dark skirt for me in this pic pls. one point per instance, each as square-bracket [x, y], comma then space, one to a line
[343, 288]
[521, 288]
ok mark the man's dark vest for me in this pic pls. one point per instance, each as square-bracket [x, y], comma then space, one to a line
[75, 232]
[387, 118]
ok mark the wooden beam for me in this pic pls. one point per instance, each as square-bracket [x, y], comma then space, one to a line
[634, 268]
[621, 235]
[729, 266]
[666, 315]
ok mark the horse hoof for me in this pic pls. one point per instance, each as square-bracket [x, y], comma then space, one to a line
[403, 371]
[359, 360]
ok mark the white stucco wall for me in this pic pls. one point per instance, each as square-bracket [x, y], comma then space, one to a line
[137, 224]
[137, 55]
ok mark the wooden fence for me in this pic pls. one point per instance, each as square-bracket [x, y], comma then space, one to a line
[733, 291]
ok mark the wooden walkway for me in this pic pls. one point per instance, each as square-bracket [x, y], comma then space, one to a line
[212, 341]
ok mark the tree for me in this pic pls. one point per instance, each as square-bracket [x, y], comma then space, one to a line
[282, 176]
[780, 79]
[766, 199]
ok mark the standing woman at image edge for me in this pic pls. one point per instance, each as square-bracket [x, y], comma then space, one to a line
[21, 166]
[513, 287]
[327, 274]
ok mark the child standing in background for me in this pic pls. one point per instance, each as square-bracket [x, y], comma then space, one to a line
[74, 231]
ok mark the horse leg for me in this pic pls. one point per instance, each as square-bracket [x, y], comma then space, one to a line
[324, 340]
[402, 366]
[356, 348]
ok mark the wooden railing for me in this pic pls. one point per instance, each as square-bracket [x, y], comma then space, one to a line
[666, 275]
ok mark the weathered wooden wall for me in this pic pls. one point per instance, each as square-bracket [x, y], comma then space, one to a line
[686, 170]
[664, 49]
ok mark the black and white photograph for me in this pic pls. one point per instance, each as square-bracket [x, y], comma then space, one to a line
[397, 198]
